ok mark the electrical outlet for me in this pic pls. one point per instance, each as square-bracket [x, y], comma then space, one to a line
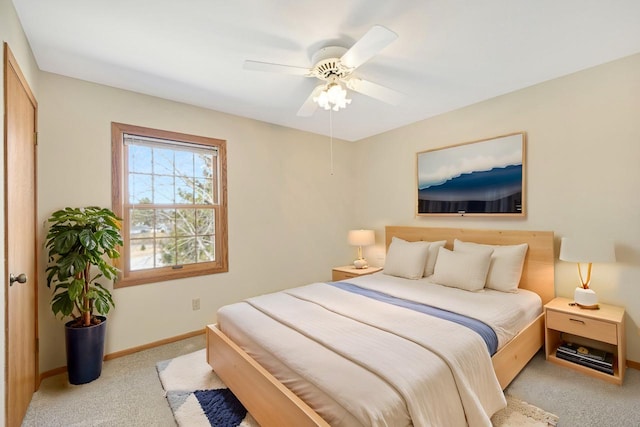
[195, 304]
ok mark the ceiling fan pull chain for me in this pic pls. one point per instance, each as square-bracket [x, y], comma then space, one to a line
[331, 141]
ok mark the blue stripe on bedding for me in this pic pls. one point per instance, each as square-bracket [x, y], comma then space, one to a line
[488, 335]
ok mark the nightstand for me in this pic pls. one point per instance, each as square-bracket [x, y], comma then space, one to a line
[349, 271]
[602, 329]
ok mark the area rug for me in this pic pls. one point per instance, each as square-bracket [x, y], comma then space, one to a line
[521, 414]
[198, 397]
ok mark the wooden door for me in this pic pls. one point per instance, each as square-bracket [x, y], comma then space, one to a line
[20, 242]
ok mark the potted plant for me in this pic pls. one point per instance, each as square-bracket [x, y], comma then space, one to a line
[82, 242]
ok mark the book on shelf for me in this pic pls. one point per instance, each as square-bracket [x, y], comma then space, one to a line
[586, 356]
[584, 351]
[586, 362]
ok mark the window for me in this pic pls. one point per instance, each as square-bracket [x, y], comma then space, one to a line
[170, 191]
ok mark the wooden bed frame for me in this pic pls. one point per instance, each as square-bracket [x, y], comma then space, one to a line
[272, 404]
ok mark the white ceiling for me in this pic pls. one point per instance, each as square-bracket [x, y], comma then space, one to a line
[449, 53]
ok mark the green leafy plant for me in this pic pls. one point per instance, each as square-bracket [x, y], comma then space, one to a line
[81, 241]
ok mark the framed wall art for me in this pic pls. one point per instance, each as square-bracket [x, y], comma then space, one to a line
[485, 177]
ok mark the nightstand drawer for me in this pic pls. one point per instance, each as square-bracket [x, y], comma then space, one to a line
[341, 275]
[582, 326]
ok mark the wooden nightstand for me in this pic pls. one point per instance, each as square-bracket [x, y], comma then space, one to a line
[349, 271]
[602, 329]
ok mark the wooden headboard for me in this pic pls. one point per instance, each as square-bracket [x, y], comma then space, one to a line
[538, 270]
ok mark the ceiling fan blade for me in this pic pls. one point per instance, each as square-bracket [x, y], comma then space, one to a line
[376, 39]
[375, 90]
[309, 107]
[276, 68]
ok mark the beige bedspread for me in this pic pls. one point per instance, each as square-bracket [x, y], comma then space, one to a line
[358, 361]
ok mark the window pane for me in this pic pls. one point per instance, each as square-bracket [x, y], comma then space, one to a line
[141, 254]
[185, 222]
[184, 190]
[166, 220]
[186, 248]
[142, 222]
[203, 164]
[163, 189]
[205, 222]
[184, 163]
[139, 159]
[163, 161]
[206, 248]
[166, 249]
[204, 191]
[139, 188]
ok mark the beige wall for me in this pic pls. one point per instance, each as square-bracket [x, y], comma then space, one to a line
[10, 32]
[288, 217]
[583, 177]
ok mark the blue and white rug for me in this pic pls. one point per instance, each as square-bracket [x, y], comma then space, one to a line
[197, 396]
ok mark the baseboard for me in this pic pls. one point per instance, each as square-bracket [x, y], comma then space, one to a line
[129, 351]
[52, 372]
[632, 364]
[152, 345]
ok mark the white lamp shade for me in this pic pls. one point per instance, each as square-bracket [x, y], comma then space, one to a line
[586, 250]
[361, 237]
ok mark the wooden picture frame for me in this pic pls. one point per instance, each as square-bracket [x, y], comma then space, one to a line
[482, 178]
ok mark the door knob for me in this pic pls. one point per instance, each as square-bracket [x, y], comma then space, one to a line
[20, 278]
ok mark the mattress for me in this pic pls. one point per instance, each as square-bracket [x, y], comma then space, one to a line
[505, 312]
[363, 362]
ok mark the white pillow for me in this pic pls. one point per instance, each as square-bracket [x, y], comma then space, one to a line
[433, 256]
[506, 263]
[463, 270]
[406, 259]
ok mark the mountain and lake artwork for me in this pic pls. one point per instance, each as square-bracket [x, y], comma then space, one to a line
[483, 177]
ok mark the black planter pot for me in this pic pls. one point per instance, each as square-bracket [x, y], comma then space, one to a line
[85, 350]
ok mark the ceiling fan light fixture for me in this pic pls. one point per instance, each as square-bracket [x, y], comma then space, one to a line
[334, 65]
[332, 97]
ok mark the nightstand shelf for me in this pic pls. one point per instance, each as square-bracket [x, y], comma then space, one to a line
[349, 272]
[601, 329]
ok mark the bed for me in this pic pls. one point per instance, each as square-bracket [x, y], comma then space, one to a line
[273, 403]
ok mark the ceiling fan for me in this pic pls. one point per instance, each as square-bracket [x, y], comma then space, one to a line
[335, 65]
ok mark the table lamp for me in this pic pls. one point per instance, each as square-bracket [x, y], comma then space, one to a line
[361, 238]
[586, 252]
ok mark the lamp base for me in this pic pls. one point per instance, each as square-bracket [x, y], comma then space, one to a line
[360, 263]
[585, 298]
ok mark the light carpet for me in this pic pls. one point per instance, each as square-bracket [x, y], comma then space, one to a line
[198, 397]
